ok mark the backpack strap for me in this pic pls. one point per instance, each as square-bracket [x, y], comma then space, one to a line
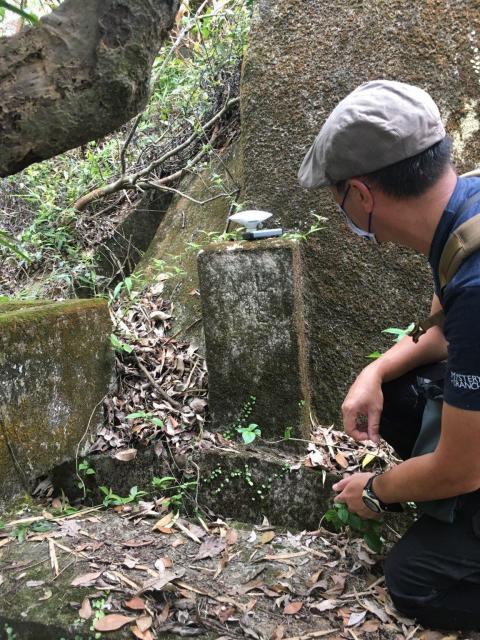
[464, 241]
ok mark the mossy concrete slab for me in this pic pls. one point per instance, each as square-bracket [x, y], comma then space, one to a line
[184, 229]
[253, 317]
[303, 57]
[56, 365]
[251, 484]
[239, 482]
[41, 606]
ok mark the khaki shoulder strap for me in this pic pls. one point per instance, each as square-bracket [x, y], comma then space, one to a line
[464, 241]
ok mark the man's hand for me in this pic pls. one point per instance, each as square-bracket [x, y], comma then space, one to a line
[364, 399]
[350, 493]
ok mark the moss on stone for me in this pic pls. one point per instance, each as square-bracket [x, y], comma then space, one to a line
[56, 364]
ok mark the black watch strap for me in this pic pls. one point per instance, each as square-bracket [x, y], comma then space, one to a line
[374, 503]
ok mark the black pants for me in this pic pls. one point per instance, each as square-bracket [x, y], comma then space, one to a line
[433, 572]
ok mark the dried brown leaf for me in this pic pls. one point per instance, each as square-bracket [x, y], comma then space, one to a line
[136, 604]
[126, 455]
[162, 617]
[370, 626]
[86, 579]
[278, 632]
[356, 617]
[341, 460]
[267, 537]
[324, 605]
[112, 622]
[292, 608]
[144, 623]
[132, 543]
[85, 611]
[210, 548]
[231, 537]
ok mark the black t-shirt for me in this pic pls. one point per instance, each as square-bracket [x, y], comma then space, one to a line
[461, 302]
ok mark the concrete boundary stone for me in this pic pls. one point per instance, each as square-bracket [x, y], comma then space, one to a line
[252, 301]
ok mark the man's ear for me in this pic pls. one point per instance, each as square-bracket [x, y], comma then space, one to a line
[362, 194]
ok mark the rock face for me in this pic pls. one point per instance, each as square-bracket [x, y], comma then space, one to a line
[56, 364]
[303, 58]
[119, 255]
[252, 300]
[186, 227]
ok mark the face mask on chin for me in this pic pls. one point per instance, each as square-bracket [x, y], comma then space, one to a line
[368, 235]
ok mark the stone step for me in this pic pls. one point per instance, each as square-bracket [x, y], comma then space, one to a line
[241, 482]
[122, 552]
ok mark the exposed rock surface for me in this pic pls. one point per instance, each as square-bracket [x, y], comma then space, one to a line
[189, 222]
[56, 365]
[119, 255]
[303, 58]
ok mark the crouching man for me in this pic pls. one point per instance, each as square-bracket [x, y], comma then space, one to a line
[386, 159]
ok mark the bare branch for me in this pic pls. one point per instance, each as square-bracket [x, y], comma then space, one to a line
[127, 142]
[153, 185]
[130, 182]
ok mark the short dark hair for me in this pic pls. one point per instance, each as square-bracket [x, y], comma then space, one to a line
[413, 176]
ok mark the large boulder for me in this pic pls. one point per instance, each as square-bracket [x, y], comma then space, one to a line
[302, 59]
[56, 365]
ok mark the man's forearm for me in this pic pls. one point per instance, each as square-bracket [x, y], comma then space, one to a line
[420, 479]
[406, 355]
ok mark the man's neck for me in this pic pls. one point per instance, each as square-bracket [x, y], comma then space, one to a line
[412, 223]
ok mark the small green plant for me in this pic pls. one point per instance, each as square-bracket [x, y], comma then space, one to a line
[249, 432]
[9, 6]
[98, 606]
[123, 285]
[170, 484]
[9, 633]
[399, 335]
[339, 517]
[149, 417]
[21, 531]
[287, 432]
[83, 471]
[111, 499]
[118, 345]
[314, 228]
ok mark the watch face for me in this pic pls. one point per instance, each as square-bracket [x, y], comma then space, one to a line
[371, 504]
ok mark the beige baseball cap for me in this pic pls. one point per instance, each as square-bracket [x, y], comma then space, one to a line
[379, 123]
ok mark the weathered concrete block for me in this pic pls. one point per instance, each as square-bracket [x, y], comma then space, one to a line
[252, 299]
[302, 59]
[56, 364]
[248, 485]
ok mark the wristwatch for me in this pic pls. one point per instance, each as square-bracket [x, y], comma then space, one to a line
[373, 502]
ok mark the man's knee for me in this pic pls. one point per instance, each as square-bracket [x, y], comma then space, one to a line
[409, 584]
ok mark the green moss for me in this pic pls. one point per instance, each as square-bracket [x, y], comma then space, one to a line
[56, 364]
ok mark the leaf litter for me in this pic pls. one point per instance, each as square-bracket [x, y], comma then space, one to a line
[190, 579]
[160, 587]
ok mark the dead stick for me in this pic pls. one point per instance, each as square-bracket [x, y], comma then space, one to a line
[156, 386]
